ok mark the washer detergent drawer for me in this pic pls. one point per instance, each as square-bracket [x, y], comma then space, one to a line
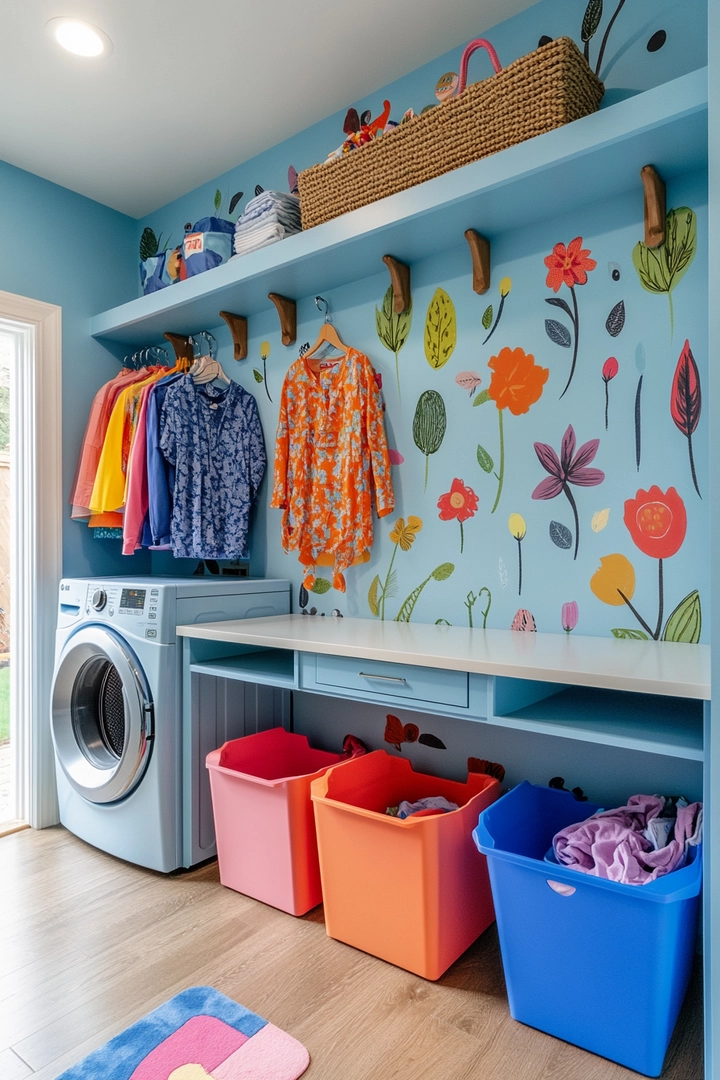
[261, 605]
[386, 682]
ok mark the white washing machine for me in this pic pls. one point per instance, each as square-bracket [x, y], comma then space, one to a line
[116, 706]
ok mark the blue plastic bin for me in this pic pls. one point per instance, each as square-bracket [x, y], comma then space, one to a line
[601, 965]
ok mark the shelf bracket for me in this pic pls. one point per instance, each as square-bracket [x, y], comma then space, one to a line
[182, 345]
[287, 310]
[480, 253]
[400, 279]
[654, 206]
[239, 329]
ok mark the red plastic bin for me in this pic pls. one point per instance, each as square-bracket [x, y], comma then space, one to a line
[264, 825]
[413, 891]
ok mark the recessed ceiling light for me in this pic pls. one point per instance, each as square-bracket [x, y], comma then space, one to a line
[79, 37]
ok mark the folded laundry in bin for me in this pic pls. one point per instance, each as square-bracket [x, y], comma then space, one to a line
[614, 844]
[433, 804]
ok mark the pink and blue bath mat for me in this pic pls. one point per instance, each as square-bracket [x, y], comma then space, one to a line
[198, 1035]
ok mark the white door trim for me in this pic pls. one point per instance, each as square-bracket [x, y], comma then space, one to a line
[36, 541]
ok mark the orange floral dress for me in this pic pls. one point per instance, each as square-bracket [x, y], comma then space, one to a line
[330, 452]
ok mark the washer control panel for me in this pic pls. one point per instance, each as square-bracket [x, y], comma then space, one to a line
[139, 608]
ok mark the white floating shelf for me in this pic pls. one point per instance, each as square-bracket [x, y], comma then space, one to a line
[594, 158]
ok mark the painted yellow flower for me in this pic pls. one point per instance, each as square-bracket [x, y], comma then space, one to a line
[517, 526]
[505, 286]
[403, 534]
[264, 350]
[615, 576]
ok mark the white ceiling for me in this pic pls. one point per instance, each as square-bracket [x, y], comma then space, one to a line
[194, 87]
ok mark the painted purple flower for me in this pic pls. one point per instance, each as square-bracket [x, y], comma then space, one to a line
[569, 468]
[569, 616]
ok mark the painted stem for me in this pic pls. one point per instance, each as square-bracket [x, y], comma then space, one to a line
[387, 579]
[661, 600]
[692, 465]
[486, 611]
[265, 378]
[601, 54]
[607, 402]
[497, 320]
[519, 544]
[397, 375]
[462, 538]
[576, 325]
[672, 314]
[501, 477]
[569, 494]
[636, 613]
[469, 604]
[427, 463]
[638, 424]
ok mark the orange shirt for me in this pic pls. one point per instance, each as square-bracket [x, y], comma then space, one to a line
[330, 452]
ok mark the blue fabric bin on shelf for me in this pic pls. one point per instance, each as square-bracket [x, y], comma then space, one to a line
[599, 964]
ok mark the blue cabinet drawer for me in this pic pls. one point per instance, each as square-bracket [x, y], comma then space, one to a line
[398, 681]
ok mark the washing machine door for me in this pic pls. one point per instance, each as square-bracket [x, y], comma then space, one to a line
[102, 715]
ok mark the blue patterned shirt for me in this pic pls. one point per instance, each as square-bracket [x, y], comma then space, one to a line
[214, 439]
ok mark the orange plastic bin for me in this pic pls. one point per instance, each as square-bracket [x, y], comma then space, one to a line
[264, 825]
[410, 891]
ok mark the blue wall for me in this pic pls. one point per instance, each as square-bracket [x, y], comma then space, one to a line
[65, 249]
[552, 575]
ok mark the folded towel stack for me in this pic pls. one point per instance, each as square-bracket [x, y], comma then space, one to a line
[269, 217]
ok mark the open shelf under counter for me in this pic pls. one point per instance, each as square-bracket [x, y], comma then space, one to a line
[591, 159]
[646, 722]
[271, 667]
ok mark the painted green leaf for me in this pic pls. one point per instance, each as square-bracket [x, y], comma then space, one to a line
[440, 330]
[660, 269]
[303, 596]
[373, 595]
[429, 425]
[442, 622]
[487, 317]
[258, 375]
[482, 397]
[321, 585]
[685, 623]
[392, 329]
[591, 19]
[630, 635]
[217, 200]
[148, 244]
[440, 573]
[235, 200]
[485, 462]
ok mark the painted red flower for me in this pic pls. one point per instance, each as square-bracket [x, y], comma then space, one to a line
[570, 265]
[657, 521]
[459, 502]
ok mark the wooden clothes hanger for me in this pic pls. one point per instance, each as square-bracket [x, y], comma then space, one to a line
[328, 334]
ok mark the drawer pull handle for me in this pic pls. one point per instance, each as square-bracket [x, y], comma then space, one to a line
[382, 678]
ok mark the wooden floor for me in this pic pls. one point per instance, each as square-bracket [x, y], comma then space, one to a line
[89, 944]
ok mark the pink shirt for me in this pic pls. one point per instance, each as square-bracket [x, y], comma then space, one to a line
[136, 485]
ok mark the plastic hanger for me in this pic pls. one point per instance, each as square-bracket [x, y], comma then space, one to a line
[328, 334]
[206, 368]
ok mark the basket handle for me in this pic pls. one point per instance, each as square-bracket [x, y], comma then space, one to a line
[469, 50]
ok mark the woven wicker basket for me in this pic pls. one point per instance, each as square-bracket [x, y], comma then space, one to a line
[541, 91]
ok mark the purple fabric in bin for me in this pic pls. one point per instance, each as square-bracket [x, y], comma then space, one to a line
[611, 844]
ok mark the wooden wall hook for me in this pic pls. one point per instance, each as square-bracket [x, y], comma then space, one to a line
[654, 188]
[400, 279]
[239, 330]
[287, 310]
[480, 253]
[182, 345]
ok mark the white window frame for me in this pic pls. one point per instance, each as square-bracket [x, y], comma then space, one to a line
[36, 546]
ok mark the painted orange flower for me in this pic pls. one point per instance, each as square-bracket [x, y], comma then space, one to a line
[403, 534]
[459, 503]
[657, 521]
[570, 265]
[517, 381]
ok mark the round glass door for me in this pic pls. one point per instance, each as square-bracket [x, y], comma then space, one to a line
[101, 715]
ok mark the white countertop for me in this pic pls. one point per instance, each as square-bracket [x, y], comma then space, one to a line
[649, 667]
